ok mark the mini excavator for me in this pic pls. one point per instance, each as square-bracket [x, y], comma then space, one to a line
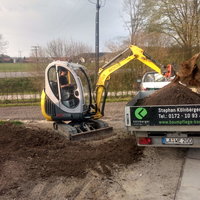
[75, 110]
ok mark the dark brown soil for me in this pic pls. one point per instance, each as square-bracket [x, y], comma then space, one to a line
[30, 154]
[171, 94]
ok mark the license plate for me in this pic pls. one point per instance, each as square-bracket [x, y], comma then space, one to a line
[177, 140]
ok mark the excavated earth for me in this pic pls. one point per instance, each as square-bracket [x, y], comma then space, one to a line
[32, 153]
[171, 94]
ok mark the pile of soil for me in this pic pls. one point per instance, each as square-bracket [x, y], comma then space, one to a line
[171, 94]
[29, 154]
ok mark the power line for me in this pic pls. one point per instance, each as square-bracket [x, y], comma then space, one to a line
[91, 2]
[35, 50]
[101, 3]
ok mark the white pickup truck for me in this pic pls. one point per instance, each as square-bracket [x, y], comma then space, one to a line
[163, 125]
[153, 81]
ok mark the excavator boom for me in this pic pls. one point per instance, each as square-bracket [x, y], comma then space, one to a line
[105, 72]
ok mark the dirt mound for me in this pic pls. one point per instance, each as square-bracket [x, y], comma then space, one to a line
[189, 72]
[38, 153]
[171, 94]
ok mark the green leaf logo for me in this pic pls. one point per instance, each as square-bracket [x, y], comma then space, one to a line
[140, 113]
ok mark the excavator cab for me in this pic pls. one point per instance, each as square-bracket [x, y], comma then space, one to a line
[70, 102]
[70, 107]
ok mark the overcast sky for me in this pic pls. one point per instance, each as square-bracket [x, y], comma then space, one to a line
[26, 23]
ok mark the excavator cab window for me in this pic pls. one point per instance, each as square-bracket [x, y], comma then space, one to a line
[68, 88]
[52, 77]
[86, 88]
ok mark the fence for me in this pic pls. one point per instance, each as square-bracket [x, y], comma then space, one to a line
[25, 86]
[20, 87]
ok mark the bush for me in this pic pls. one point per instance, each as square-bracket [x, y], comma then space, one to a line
[17, 85]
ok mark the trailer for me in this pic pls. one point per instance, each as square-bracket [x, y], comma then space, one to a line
[163, 125]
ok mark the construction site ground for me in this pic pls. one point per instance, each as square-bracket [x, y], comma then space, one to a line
[37, 163]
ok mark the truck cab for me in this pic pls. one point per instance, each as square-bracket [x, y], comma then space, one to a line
[153, 81]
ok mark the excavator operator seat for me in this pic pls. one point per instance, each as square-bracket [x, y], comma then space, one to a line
[68, 96]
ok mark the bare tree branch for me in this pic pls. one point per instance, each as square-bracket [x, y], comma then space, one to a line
[66, 49]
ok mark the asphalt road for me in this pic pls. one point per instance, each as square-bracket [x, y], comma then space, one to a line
[112, 111]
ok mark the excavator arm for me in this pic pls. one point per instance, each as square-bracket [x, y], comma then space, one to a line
[105, 72]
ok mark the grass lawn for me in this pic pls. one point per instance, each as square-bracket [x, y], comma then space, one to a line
[16, 67]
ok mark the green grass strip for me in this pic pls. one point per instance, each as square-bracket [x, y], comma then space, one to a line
[11, 122]
[19, 104]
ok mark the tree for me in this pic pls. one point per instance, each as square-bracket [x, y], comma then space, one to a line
[3, 44]
[134, 18]
[178, 19]
[66, 49]
[138, 14]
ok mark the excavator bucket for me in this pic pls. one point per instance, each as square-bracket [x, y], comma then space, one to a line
[189, 72]
[83, 130]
